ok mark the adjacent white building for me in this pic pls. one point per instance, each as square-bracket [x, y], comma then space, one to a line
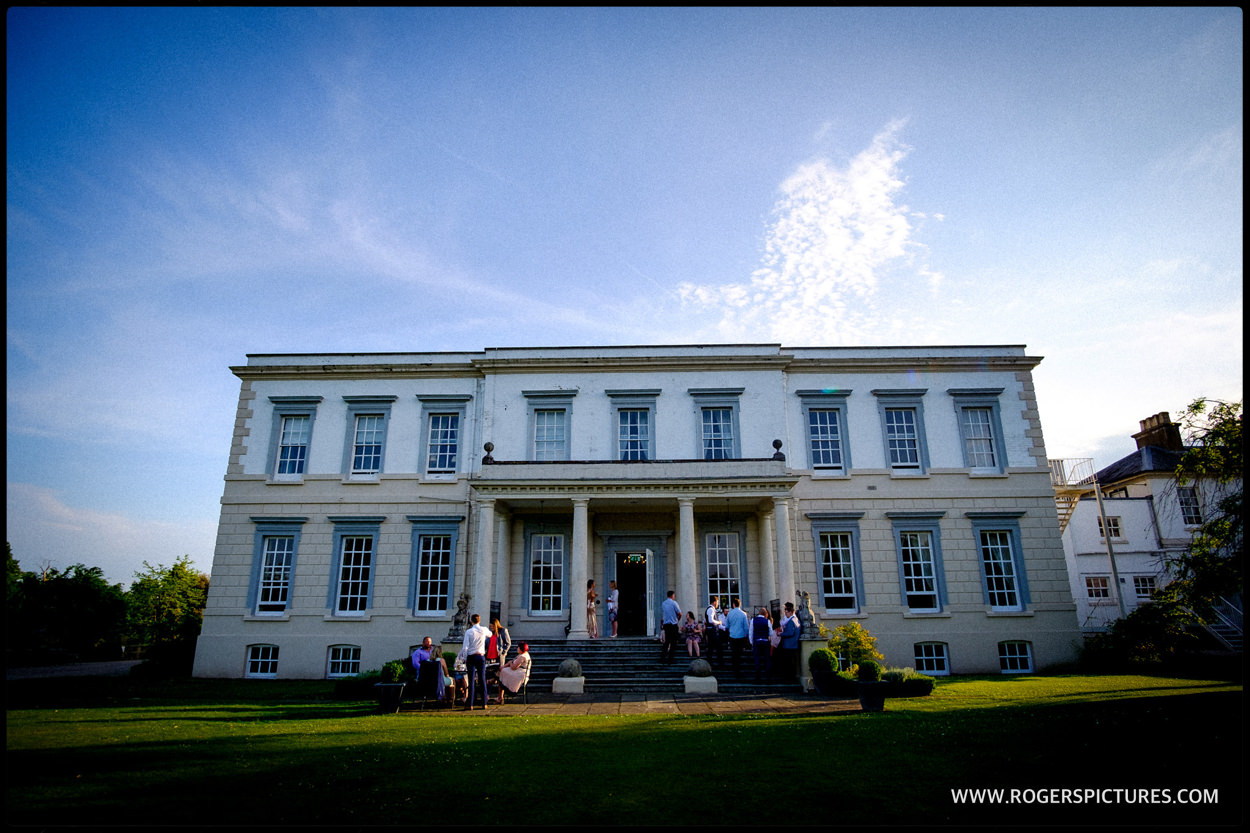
[1117, 552]
[905, 488]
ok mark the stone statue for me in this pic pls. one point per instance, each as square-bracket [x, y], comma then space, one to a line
[460, 621]
[807, 622]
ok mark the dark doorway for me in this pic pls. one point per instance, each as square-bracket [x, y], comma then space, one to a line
[631, 581]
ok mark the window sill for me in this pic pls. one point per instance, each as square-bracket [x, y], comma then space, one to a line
[261, 617]
[935, 614]
[1009, 614]
[432, 616]
[332, 618]
[274, 482]
[904, 474]
[987, 474]
[830, 474]
[361, 480]
[845, 614]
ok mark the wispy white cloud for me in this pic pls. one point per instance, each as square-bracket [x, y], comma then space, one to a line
[40, 522]
[836, 232]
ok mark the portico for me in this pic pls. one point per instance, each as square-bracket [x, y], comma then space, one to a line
[695, 527]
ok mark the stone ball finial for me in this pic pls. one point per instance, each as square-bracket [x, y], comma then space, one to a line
[488, 448]
[777, 455]
[570, 668]
[700, 668]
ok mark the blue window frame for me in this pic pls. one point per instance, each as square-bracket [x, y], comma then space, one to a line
[432, 569]
[353, 572]
[549, 423]
[364, 447]
[275, 546]
[633, 423]
[546, 568]
[918, 547]
[824, 419]
[442, 440]
[290, 437]
[902, 428]
[718, 437]
[839, 566]
[1004, 582]
[980, 429]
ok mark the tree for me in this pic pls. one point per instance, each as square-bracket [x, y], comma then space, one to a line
[1211, 567]
[166, 608]
[70, 614]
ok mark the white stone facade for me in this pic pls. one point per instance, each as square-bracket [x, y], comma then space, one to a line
[913, 497]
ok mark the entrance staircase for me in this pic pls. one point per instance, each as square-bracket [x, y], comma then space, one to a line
[632, 665]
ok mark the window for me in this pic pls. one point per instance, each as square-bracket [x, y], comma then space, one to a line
[1015, 657]
[443, 417]
[549, 417]
[1098, 588]
[916, 537]
[634, 436]
[275, 574]
[546, 572]
[364, 448]
[722, 556]
[718, 434]
[262, 661]
[1191, 512]
[919, 575]
[1000, 570]
[1144, 587]
[718, 422]
[633, 423]
[444, 443]
[291, 436]
[980, 428]
[824, 415]
[902, 426]
[931, 659]
[1113, 524]
[273, 564]
[837, 571]
[1002, 562]
[351, 585]
[434, 540]
[344, 661]
[836, 536]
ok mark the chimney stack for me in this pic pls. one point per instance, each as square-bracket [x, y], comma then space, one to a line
[1160, 432]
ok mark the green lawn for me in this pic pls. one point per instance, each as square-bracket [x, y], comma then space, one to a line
[249, 753]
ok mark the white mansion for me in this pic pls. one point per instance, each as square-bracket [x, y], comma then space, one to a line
[905, 488]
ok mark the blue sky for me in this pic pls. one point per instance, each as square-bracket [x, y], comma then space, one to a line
[186, 186]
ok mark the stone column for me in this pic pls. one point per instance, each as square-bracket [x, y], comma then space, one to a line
[785, 561]
[503, 551]
[768, 558]
[687, 583]
[483, 582]
[579, 568]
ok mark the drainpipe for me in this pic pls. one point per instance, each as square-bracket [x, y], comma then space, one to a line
[1106, 536]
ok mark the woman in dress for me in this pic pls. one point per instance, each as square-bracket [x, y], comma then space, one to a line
[692, 630]
[513, 673]
[592, 599]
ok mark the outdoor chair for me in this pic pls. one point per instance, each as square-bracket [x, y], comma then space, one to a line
[426, 686]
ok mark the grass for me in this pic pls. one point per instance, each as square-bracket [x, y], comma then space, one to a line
[247, 752]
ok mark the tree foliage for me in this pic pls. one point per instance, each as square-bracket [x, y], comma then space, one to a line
[71, 614]
[1211, 568]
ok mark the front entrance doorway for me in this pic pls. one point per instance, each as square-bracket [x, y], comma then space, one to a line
[631, 582]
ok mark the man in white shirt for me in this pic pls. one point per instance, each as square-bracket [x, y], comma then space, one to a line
[614, 599]
[712, 630]
[474, 654]
[739, 626]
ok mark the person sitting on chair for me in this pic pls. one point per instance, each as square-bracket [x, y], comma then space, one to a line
[440, 678]
[514, 673]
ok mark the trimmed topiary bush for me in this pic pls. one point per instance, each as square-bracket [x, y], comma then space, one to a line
[870, 671]
[822, 661]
